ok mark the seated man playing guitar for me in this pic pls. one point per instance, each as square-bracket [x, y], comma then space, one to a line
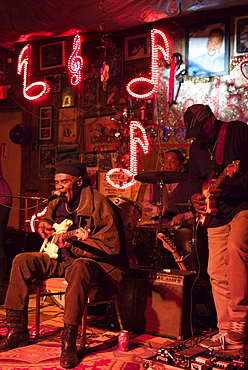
[84, 242]
[218, 165]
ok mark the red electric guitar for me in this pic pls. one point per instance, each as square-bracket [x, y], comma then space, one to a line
[211, 209]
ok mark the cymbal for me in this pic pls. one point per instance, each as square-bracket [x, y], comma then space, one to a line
[168, 177]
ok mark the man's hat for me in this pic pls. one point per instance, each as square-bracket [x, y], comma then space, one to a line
[194, 118]
[71, 167]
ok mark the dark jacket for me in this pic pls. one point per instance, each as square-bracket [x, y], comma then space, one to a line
[106, 242]
[200, 166]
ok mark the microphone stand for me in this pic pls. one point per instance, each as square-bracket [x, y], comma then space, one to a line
[21, 197]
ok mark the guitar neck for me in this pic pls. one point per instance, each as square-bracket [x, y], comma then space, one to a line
[178, 260]
[68, 234]
[219, 179]
[167, 244]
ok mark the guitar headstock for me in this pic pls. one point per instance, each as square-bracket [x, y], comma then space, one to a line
[167, 243]
[232, 168]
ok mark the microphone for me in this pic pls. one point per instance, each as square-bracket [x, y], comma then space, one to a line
[53, 196]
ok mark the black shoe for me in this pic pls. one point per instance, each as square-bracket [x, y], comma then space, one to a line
[69, 357]
[18, 334]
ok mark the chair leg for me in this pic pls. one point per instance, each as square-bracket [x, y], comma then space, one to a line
[37, 312]
[84, 324]
[117, 310]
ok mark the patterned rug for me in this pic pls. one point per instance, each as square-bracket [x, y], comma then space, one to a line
[44, 354]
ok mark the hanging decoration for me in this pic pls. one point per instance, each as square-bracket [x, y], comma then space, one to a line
[75, 62]
[151, 84]
[127, 176]
[22, 68]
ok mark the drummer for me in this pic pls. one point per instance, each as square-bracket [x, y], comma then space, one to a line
[174, 211]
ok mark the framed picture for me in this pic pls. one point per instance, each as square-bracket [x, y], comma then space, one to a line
[67, 125]
[54, 82]
[90, 94]
[207, 49]
[241, 36]
[68, 97]
[137, 47]
[45, 123]
[114, 92]
[47, 161]
[52, 55]
[99, 134]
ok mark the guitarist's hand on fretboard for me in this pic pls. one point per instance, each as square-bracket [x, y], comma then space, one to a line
[60, 242]
[65, 239]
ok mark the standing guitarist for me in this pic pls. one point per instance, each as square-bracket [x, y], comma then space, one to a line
[94, 256]
[219, 146]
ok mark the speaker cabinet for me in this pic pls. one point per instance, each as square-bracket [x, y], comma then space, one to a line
[159, 303]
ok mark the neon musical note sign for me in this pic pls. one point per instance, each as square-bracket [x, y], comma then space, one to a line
[75, 61]
[22, 67]
[135, 140]
[153, 82]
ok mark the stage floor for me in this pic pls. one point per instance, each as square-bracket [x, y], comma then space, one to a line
[101, 351]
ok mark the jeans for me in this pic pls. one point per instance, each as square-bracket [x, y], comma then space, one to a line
[228, 270]
[30, 268]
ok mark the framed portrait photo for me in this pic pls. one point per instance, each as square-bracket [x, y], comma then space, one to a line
[90, 94]
[52, 55]
[137, 47]
[241, 36]
[54, 82]
[45, 123]
[207, 49]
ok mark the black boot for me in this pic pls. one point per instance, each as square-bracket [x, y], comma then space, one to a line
[18, 334]
[69, 358]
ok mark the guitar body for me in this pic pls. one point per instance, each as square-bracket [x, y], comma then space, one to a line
[211, 208]
[48, 245]
[211, 202]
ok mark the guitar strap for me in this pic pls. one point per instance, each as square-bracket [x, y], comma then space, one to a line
[219, 153]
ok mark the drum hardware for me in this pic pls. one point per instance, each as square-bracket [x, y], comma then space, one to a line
[161, 178]
[167, 177]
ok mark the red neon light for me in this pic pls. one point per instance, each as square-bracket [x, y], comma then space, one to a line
[34, 218]
[135, 140]
[22, 67]
[75, 61]
[154, 81]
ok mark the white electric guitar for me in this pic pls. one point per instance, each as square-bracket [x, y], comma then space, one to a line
[50, 248]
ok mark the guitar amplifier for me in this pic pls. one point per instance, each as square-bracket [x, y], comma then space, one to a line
[158, 302]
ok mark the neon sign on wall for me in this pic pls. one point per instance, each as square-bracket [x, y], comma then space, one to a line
[135, 141]
[75, 61]
[22, 68]
[151, 83]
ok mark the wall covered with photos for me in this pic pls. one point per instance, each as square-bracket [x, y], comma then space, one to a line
[91, 120]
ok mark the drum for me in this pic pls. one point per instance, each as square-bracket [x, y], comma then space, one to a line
[151, 253]
[148, 248]
[131, 214]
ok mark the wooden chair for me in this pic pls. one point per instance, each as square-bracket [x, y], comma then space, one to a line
[56, 287]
